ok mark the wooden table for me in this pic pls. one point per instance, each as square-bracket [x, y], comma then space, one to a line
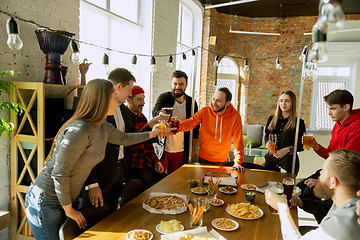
[133, 216]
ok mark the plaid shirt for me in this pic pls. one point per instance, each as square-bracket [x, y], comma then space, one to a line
[143, 154]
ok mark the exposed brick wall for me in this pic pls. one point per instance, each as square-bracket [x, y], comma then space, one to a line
[30, 60]
[263, 82]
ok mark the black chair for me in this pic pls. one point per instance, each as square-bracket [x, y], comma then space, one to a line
[69, 229]
[130, 190]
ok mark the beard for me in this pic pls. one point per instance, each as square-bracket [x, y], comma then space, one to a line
[177, 95]
[219, 110]
[321, 190]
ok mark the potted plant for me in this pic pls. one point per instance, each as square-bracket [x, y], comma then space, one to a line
[6, 128]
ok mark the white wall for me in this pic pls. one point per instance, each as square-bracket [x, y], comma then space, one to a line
[30, 60]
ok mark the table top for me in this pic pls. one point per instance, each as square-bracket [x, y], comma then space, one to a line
[133, 216]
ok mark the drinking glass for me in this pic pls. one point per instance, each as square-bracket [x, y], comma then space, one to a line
[174, 122]
[168, 111]
[277, 188]
[162, 126]
[288, 184]
[307, 140]
[196, 221]
[272, 141]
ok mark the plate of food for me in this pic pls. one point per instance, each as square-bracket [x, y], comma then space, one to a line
[249, 187]
[244, 211]
[166, 227]
[216, 202]
[228, 190]
[139, 234]
[167, 202]
[225, 224]
[199, 190]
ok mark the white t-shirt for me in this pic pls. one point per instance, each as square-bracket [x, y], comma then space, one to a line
[175, 143]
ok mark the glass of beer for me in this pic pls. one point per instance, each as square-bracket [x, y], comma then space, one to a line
[162, 126]
[168, 111]
[307, 140]
[277, 188]
[174, 122]
[288, 184]
[272, 141]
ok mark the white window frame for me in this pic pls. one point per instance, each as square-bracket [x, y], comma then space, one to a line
[349, 85]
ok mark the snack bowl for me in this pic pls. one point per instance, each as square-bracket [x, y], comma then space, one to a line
[250, 196]
[193, 182]
[218, 201]
[228, 190]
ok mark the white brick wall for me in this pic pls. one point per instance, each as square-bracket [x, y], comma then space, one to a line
[164, 35]
[30, 60]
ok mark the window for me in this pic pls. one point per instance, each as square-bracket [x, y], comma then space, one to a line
[228, 76]
[329, 79]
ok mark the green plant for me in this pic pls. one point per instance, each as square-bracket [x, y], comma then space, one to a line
[7, 127]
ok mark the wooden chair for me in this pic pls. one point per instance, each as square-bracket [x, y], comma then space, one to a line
[69, 229]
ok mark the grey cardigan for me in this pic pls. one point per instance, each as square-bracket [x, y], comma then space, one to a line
[79, 147]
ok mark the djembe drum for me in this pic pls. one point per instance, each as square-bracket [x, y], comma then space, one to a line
[53, 43]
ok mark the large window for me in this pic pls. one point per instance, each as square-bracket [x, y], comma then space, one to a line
[329, 79]
[228, 76]
[111, 24]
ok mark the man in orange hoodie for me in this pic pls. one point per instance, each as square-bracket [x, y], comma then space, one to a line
[220, 123]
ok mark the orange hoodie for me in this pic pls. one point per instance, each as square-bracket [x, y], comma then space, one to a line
[216, 132]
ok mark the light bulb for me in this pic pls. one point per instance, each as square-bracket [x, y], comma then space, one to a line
[303, 54]
[331, 16]
[14, 42]
[75, 58]
[278, 65]
[216, 62]
[134, 61]
[153, 68]
[193, 52]
[318, 53]
[184, 57]
[107, 69]
[246, 65]
[169, 63]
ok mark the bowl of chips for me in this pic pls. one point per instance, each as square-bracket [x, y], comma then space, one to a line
[244, 211]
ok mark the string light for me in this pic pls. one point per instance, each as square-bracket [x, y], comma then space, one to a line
[105, 62]
[169, 63]
[246, 65]
[216, 62]
[153, 64]
[14, 42]
[134, 60]
[303, 54]
[75, 53]
[193, 52]
[184, 56]
[278, 65]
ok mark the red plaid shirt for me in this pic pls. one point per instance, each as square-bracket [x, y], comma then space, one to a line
[142, 154]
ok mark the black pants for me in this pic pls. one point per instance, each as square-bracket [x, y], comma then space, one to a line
[274, 164]
[147, 175]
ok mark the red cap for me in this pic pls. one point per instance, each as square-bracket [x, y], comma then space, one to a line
[137, 90]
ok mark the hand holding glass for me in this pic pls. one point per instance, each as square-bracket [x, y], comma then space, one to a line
[272, 141]
[162, 126]
[307, 140]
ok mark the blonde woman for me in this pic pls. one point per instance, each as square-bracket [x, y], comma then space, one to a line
[283, 125]
[77, 148]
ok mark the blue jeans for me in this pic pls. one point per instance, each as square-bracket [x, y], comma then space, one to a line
[44, 213]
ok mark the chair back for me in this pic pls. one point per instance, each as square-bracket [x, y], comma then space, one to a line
[69, 229]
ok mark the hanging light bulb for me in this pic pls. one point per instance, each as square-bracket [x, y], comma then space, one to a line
[278, 65]
[216, 62]
[75, 53]
[246, 65]
[153, 64]
[134, 61]
[193, 52]
[318, 53]
[105, 62]
[169, 63]
[331, 16]
[303, 54]
[14, 42]
[184, 57]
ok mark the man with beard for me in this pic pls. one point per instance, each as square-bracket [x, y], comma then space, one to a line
[145, 164]
[177, 147]
[220, 123]
[339, 180]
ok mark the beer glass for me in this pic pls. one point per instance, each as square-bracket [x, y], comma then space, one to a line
[288, 184]
[168, 111]
[277, 188]
[174, 123]
[307, 140]
[162, 126]
[272, 141]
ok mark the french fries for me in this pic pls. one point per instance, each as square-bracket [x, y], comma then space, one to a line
[196, 213]
[212, 186]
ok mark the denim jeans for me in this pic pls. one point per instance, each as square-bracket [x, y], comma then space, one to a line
[44, 213]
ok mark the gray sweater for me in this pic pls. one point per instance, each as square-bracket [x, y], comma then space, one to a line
[79, 147]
